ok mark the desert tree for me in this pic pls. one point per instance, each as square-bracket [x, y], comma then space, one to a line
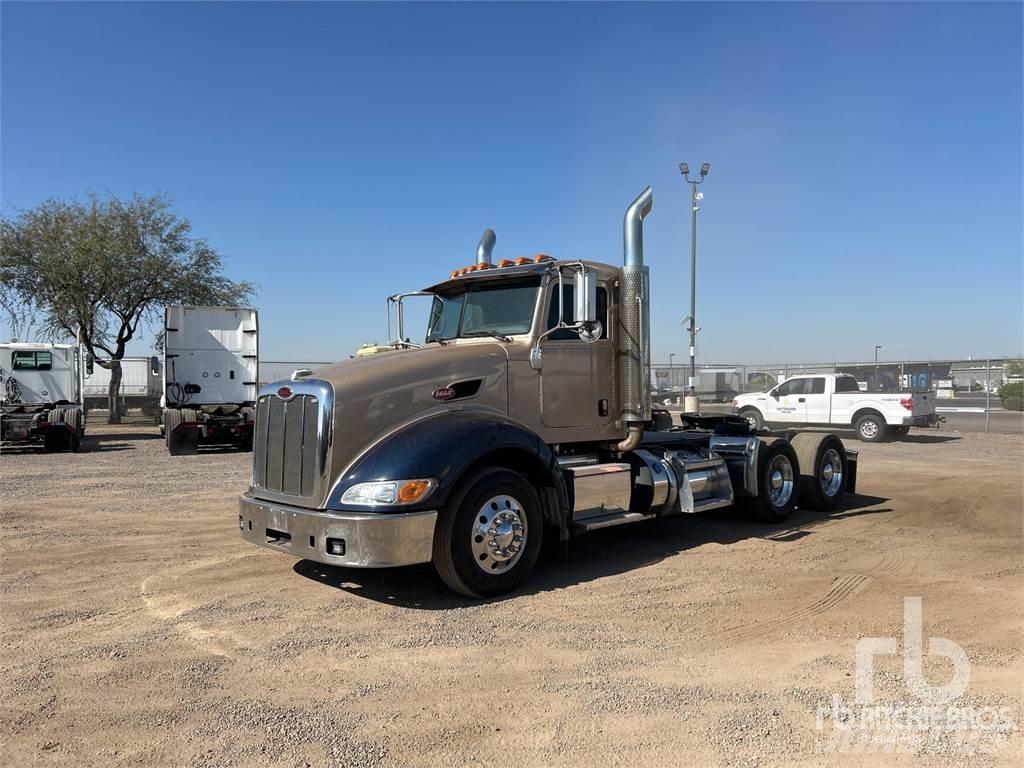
[96, 270]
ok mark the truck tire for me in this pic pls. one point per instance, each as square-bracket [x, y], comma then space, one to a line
[753, 417]
[56, 437]
[822, 460]
[488, 536]
[871, 428]
[180, 442]
[778, 487]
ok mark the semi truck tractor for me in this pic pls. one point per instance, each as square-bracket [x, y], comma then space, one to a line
[525, 414]
[41, 395]
[211, 377]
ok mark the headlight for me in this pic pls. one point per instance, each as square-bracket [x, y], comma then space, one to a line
[388, 492]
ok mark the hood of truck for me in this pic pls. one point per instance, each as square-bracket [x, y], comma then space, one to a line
[376, 394]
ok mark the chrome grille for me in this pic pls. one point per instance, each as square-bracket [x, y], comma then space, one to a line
[286, 450]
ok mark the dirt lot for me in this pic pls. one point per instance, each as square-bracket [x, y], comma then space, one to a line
[138, 629]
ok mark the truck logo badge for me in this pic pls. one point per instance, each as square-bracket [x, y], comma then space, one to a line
[284, 393]
[443, 393]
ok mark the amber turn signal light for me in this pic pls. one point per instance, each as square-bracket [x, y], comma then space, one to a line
[413, 490]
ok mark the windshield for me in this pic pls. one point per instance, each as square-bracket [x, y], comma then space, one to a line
[503, 308]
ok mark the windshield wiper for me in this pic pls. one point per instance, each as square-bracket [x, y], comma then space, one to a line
[492, 334]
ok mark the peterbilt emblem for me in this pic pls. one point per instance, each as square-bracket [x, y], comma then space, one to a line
[443, 393]
[284, 393]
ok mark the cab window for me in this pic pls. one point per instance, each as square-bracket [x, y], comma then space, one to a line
[792, 387]
[846, 384]
[32, 361]
[567, 306]
[817, 387]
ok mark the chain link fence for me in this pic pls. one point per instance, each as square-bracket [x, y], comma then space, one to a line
[721, 382]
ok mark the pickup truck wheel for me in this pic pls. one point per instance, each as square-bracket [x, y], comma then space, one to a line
[778, 474]
[871, 428]
[822, 460]
[488, 536]
[753, 417]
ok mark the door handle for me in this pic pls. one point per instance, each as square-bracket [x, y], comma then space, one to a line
[802, 400]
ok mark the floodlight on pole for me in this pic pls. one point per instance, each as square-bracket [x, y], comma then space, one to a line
[685, 170]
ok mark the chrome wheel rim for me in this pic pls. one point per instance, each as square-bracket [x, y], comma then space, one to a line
[752, 421]
[780, 481]
[830, 474]
[869, 428]
[498, 538]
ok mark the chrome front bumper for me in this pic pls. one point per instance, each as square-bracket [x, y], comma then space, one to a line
[367, 540]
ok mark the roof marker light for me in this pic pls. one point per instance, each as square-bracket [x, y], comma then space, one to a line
[505, 263]
[521, 260]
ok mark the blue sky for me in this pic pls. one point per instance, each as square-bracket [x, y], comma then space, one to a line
[866, 182]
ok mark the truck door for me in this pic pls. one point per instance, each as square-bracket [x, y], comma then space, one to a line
[818, 401]
[787, 403]
[576, 378]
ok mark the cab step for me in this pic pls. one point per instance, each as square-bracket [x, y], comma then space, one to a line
[607, 521]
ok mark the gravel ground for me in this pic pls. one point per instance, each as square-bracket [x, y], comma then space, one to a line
[138, 629]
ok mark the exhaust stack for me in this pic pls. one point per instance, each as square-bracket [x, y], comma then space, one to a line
[635, 323]
[485, 246]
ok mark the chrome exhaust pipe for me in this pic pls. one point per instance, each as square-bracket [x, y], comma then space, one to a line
[485, 246]
[635, 323]
[633, 229]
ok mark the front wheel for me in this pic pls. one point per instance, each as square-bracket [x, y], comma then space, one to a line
[753, 417]
[870, 428]
[488, 536]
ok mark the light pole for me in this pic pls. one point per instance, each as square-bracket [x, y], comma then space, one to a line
[877, 347]
[671, 369]
[695, 197]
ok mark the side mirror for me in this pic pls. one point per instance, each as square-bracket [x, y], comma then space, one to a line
[584, 290]
[89, 364]
[154, 365]
[775, 393]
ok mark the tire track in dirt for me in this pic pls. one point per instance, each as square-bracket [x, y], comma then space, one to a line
[842, 589]
[168, 605]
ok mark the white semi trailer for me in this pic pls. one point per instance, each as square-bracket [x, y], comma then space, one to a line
[41, 395]
[141, 385]
[211, 375]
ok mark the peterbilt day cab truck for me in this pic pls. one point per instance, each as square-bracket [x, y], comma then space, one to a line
[526, 413]
[211, 376]
[823, 400]
[41, 395]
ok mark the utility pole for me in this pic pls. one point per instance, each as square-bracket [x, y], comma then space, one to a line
[695, 197]
[877, 347]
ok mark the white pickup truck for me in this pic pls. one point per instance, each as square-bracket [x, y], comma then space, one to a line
[836, 400]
